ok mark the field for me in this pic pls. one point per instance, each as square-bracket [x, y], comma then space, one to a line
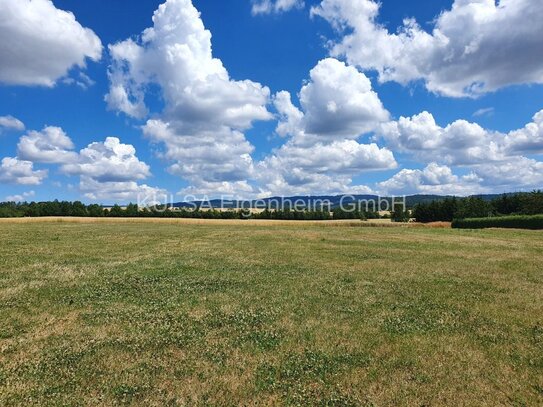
[261, 313]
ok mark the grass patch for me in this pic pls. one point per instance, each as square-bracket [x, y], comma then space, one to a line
[226, 313]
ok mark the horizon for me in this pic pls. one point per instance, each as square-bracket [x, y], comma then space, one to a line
[226, 202]
[117, 102]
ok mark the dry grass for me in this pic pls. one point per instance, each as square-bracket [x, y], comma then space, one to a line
[224, 222]
[191, 312]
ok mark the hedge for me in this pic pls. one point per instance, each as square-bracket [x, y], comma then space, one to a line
[515, 222]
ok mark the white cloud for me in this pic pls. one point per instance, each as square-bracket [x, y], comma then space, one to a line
[321, 168]
[108, 161]
[41, 43]
[82, 80]
[337, 102]
[121, 192]
[110, 170]
[11, 123]
[496, 160]
[486, 111]
[237, 190]
[338, 106]
[207, 159]
[275, 6]
[477, 46]
[520, 173]
[459, 143]
[205, 110]
[528, 140]
[434, 179]
[51, 146]
[20, 198]
[290, 120]
[15, 171]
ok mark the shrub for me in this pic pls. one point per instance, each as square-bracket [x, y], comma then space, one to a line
[516, 222]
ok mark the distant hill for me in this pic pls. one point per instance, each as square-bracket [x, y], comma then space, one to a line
[311, 200]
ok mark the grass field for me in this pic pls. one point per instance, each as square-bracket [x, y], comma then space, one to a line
[243, 313]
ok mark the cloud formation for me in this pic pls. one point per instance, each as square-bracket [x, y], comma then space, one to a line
[477, 46]
[41, 43]
[108, 161]
[528, 140]
[338, 106]
[205, 113]
[461, 142]
[321, 168]
[15, 171]
[11, 123]
[275, 6]
[20, 198]
[433, 179]
[497, 161]
[109, 170]
[49, 146]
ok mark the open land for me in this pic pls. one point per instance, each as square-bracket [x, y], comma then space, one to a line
[146, 312]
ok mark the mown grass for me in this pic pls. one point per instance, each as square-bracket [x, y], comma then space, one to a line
[181, 314]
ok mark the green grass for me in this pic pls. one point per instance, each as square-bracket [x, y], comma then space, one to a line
[244, 314]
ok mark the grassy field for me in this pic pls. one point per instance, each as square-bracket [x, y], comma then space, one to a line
[244, 313]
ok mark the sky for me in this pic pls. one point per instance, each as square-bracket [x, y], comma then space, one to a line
[124, 101]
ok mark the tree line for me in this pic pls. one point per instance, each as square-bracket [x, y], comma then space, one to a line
[449, 209]
[446, 209]
[79, 209]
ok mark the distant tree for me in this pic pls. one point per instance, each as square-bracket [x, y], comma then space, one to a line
[131, 210]
[400, 215]
[532, 203]
[116, 211]
[474, 207]
[95, 211]
[79, 209]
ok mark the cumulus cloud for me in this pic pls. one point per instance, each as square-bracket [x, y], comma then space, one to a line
[20, 198]
[205, 157]
[108, 161]
[238, 190]
[110, 170]
[201, 126]
[41, 43]
[337, 102]
[321, 168]
[477, 46]
[107, 170]
[275, 6]
[497, 161]
[515, 174]
[51, 146]
[459, 143]
[528, 140]
[15, 171]
[434, 179]
[122, 191]
[338, 106]
[11, 123]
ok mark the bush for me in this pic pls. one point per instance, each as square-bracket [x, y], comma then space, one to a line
[515, 222]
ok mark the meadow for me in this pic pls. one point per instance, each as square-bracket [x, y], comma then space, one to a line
[228, 313]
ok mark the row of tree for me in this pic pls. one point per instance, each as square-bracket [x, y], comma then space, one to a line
[446, 209]
[449, 209]
[72, 209]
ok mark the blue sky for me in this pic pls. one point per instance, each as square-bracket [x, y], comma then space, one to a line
[192, 125]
